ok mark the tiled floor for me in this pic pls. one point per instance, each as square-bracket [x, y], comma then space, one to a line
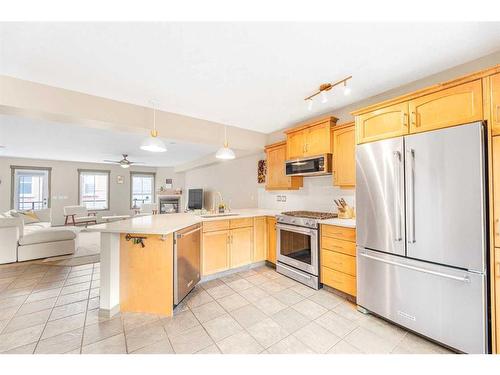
[50, 309]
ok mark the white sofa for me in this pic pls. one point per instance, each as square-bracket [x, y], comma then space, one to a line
[20, 242]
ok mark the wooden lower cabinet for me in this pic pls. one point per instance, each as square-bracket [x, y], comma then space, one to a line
[338, 261]
[240, 247]
[260, 239]
[338, 258]
[271, 243]
[151, 265]
[241, 241]
[215, 252]
[339, 280]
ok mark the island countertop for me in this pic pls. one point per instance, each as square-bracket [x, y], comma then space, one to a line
[169, 223]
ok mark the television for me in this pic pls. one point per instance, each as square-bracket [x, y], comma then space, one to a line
[195, 199]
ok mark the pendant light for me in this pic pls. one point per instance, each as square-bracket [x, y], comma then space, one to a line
[153, 143]
[225, 153]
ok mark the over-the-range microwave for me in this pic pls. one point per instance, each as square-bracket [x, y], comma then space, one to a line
[310, 166]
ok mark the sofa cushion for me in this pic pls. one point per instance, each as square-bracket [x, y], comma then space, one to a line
[43, 234]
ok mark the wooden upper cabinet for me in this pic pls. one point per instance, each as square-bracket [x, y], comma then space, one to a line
[318, 140]
[454, 106]
[495, 103]
[344, 158]
[295, 145]
[310, 139]
[276, 178]
[386, 122]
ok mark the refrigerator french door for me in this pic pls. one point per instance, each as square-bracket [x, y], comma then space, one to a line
[421, 234]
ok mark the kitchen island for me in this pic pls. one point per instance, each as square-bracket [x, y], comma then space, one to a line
[137, 259]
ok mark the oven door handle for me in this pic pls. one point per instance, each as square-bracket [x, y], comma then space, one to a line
[296, 229]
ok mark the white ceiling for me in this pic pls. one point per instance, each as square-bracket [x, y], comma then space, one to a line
[38, 139]
[250, 75]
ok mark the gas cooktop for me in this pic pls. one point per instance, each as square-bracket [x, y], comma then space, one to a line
[311, 214]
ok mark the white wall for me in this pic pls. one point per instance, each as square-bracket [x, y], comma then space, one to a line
[64, 184]
[235, 179]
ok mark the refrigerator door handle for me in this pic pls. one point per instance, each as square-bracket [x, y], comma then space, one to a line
[411, 196]
[397, 197]
[464, 279]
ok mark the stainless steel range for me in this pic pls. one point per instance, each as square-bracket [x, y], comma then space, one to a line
[297, 245]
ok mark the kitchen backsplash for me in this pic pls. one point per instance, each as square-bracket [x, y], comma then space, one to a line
[316, 195]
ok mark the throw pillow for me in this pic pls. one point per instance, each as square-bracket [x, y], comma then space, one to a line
[29, 217]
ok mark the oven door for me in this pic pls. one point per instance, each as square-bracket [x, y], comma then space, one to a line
[297, 247]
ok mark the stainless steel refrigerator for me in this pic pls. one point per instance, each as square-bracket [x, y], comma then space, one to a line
[421, 234]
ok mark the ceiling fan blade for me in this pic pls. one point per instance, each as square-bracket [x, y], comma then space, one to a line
[111, 161]
[136, 162]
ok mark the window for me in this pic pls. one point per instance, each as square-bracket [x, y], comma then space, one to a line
[30, 188]
[142, 188]
[94, 189]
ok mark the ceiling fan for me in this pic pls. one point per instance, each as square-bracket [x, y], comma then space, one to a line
[124, 163]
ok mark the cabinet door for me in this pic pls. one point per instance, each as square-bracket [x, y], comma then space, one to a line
[317, 140]
[271, 232]
[215, 256]
[495, 103]
[496, 188]
[344, 158]
[295, 145]
[387, 122]
[260, 239]
[276, 178]
[241, 246]
[454, 106]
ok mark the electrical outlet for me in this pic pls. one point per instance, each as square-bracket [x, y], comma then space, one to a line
[283, 198]
[278, 198]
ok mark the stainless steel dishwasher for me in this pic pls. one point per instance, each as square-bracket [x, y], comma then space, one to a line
[187, 249]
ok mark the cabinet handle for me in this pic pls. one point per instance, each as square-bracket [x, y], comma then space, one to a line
[404, 115]
[497, 113]
[414, 119]
[498, 270]
[496, 228]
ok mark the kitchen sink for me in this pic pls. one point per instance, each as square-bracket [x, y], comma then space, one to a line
[218, 215]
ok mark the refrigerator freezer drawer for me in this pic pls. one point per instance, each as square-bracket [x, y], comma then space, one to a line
[444, 304]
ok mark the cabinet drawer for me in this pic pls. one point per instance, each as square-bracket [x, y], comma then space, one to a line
[241, 223]
[340, 246]
[210, 226]
[338, 280]
[341, 233]
[338, 262]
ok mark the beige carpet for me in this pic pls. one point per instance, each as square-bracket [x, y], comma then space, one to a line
[87, 251]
